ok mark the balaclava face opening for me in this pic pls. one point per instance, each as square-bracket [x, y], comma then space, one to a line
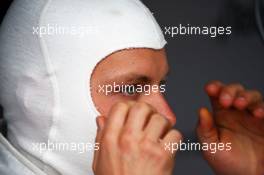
[45, 74]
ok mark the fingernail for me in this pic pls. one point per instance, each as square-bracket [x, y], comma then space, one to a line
[212, 87]
[241, 102]
[241, 99]
[225, 97]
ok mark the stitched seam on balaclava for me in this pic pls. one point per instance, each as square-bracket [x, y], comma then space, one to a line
[54, 83]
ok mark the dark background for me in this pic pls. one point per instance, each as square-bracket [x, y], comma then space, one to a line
[194, 60]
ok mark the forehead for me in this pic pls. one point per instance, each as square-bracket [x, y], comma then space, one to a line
[149, 62]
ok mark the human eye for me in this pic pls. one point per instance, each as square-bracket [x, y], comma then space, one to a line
[129, 90]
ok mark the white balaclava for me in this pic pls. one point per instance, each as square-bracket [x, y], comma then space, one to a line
[48, 51]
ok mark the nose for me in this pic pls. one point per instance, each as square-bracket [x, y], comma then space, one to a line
[158, 101]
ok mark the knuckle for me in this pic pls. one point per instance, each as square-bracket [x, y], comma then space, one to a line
[161, 156]
[120, 105]
[126, 139]
[145, 144]
[108, 139]
[126, 142]
[143, 107]
[130, 102]
[177, 135]
[160, 119]
[152, 151]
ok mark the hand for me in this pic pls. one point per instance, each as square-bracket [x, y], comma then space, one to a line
[132, 139]
[237, 118]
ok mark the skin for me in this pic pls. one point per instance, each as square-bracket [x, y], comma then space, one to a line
[133, 128]
[237, 118]
[134, 66]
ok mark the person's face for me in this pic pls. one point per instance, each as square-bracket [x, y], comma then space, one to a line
[132, 67]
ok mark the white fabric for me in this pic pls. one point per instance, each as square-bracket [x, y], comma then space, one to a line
[13, 162]
[45, 78]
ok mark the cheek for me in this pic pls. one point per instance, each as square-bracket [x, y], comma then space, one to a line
[104, 103]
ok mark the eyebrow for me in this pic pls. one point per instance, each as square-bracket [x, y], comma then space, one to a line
[130, 78]
[133, 78]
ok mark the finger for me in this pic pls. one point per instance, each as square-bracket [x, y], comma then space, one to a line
[100, 125]
[248, 99]
[157, 126]
[206, 130]
[173, 137]
[229, 93]
[258, 110]
[115, 120]
[213, 90]
[137, 117]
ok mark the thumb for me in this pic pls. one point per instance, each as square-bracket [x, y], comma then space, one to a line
[206, 130]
